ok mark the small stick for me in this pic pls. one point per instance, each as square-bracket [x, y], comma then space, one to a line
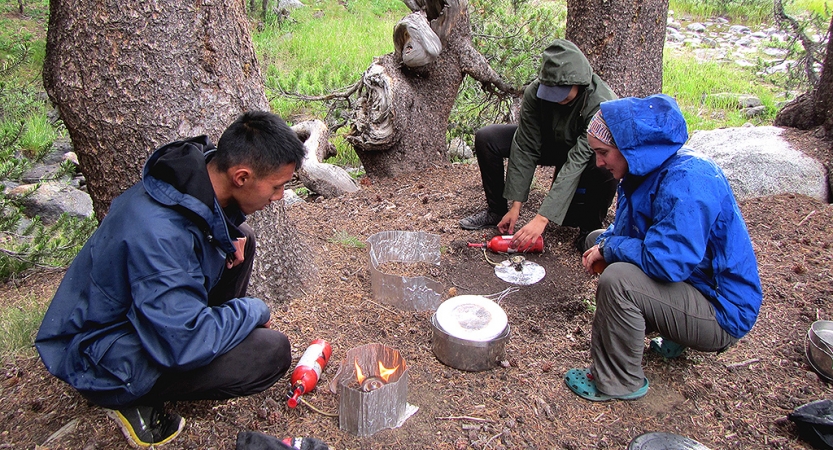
[473, 419]
[742, 363]
[491, 439]
[381, 306]
[806, 217]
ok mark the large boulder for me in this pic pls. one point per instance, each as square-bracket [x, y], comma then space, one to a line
[758, 162]
[51, 199]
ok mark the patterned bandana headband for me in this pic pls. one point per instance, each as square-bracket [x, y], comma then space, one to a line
[598, 129]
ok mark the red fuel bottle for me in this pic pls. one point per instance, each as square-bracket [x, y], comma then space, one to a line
[308, 371]
[501, 244]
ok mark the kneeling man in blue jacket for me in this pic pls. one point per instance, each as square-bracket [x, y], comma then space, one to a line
[154, 307]
[678, 256]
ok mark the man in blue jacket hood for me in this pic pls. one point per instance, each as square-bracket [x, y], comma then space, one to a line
[154, 306]
[677, 260]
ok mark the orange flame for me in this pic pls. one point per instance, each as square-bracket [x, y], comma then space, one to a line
[359, 375]
[385, 373]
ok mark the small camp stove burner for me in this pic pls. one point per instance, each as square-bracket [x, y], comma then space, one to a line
[372, 383]
[517, 262]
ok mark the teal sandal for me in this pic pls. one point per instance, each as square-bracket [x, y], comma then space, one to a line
[581, 382]
[666, 347]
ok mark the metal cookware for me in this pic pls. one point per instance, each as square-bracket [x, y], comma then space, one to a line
[819, 348]
[471, 356]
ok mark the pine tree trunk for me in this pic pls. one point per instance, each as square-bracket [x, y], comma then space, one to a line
[400, 123]
[623, 39]
[128, 76]
[823, 107]
[813, 108]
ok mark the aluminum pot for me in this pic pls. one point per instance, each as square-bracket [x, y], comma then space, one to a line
[819, 348]
[471, 356]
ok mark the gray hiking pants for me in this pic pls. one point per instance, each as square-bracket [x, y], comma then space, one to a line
[629, 305]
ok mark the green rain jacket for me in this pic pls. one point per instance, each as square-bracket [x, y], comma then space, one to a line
[555, 133]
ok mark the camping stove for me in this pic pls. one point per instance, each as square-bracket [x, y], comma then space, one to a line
[372, 384]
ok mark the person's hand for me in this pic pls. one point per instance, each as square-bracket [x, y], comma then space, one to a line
[239, 255]
[268, 323]
[529, 233]
[507, 224]
[593, 261]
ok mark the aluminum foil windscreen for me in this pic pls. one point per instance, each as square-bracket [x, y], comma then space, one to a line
[408, 293]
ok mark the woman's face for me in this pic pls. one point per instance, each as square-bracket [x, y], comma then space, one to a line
[609, 157]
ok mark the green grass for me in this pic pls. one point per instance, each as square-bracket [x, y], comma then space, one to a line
[322, 48]
[18, 325]
[690, 81]
[345, 239]
[748, 11]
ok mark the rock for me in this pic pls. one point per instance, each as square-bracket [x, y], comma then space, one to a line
[758, 162]
[778, 52]
[52, 199]
[754, 111]
[290, 4]
[739, 29]
[696, 27]
[291, 198]
[41, 172]
[673, 35]
[458, 149]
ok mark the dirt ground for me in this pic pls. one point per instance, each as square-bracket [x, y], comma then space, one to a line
[735, 400]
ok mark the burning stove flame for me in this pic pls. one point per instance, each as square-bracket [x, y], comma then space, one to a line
[369, 383]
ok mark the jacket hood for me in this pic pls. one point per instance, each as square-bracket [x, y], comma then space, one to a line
[647, 130]
[564, 64]
[176, 176]
[181, 164]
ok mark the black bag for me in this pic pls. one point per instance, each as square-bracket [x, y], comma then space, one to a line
[815, 423]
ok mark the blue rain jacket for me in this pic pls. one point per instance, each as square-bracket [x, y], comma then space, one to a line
[676, 215]
[134, 302]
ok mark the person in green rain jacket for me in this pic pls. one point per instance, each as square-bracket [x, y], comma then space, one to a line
[551, 131]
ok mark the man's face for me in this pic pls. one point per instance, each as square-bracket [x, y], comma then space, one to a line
[609, 157]
[258, 192]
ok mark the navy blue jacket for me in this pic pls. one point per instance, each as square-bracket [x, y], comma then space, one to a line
[134, 302]
[676, 216]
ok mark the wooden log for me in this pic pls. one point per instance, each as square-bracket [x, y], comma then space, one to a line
[325, 179]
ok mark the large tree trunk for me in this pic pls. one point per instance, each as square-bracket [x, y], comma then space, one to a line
[127, 76]
[623, 39]
[400, 122]
[814, 108]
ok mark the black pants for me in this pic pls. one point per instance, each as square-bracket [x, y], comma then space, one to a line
[252, 366]
[593, 197]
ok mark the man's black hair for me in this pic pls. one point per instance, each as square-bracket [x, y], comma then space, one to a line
[260, 140]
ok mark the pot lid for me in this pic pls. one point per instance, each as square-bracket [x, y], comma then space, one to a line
[664, 441]
[471, 317]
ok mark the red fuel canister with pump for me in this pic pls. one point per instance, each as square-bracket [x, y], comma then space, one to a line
[308, 370]
[502, 244]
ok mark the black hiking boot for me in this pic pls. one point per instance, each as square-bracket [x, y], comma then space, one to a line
[144, 426]
[483, 219]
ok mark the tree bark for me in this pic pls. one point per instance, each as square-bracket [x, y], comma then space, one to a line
[400, 121]
[623, 40]
[814, 108]
[128, 76]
